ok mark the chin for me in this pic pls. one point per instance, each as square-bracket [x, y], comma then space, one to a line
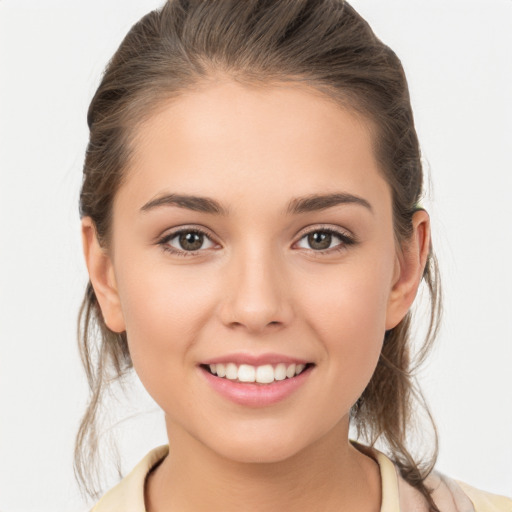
[259, 452]
[255, 444]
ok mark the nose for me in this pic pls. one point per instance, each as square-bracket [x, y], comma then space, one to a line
[256, 296]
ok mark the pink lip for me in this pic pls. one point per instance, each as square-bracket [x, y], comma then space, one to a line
[255, 360]
[253, 394]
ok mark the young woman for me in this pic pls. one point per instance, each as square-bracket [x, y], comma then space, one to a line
[254, 238]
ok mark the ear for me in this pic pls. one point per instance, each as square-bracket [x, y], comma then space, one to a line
[410, 265]
[101, 275]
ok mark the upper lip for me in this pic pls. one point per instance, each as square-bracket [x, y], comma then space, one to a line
[255, 359]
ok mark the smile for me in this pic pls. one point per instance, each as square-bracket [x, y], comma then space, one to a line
[256, 380]
[264, 374]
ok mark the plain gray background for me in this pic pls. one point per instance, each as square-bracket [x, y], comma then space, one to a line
[457, 55]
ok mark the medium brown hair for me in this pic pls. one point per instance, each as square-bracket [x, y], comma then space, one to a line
[324, 44]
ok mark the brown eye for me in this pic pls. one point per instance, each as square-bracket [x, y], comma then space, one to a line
[325, 240]
[191, 241]
[320, 240]
[186, 241]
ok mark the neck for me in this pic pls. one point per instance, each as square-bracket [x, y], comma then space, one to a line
[329, 475]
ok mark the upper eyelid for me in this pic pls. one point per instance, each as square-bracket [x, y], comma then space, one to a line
[325, 227]
[186, 229]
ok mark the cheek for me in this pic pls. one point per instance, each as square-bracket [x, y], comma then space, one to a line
[348, 314]
[164, 310]
[155, 297]
[348, 300]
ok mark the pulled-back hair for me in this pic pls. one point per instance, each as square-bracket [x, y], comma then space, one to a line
[324, 44]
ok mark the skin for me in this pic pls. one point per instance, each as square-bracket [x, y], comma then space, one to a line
[256, 285]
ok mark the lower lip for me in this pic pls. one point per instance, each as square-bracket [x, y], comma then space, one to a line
[256, 395]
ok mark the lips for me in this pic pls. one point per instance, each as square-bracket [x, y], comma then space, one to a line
[256, 381]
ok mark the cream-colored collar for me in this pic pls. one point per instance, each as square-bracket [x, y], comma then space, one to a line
[397, 494]
[128, 494]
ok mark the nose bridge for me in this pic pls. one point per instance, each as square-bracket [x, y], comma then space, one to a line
[256, 296]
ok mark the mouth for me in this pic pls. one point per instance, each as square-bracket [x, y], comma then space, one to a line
[264, 374]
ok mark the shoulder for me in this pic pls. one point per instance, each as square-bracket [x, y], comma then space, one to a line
[454, 496]
[128, 494]
[448, 494]
[486, 502]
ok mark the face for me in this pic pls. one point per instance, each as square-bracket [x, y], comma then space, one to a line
[253, 233]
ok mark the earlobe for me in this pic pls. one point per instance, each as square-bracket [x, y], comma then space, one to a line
[102, 277]
[411, 263]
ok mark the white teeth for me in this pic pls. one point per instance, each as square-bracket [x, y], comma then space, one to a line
[265, 374]
[290, 371]
[221, 370]
[246, 373]
[231, 371]
[280, 372]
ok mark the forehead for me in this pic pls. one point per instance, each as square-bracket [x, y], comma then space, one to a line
[232, 139]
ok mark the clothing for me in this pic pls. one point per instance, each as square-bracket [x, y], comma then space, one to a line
[397, 494]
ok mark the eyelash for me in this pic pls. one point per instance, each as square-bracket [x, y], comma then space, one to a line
[176, 252]
[345, 239]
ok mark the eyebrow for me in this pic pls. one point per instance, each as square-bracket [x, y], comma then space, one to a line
[315, 202]
[195, 203]
[310, 203]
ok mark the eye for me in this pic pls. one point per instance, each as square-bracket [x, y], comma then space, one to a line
[186, 241]
[322, 240]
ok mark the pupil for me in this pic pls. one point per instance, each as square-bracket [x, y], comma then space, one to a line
[319, 240]
[191, 241]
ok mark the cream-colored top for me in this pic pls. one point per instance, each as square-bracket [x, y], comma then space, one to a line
[397, 494]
